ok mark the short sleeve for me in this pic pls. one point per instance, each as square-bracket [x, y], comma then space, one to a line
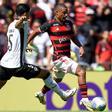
[45, 27]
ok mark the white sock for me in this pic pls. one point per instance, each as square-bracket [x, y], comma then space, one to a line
[85, 99]
[50, 83]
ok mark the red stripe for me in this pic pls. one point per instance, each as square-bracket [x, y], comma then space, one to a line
[83, 86]
[61, 45]
[83, 92]
[60, 29]
[58, 37]
[62, 51]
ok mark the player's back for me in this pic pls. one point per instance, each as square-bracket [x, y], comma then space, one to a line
[14, 55]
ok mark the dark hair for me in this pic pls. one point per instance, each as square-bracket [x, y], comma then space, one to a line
[22, 8]
[59, 7]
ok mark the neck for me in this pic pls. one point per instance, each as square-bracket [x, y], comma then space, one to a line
[58, 20]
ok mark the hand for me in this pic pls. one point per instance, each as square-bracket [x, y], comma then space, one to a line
[23, 18]
[20, 21]
[81, 51]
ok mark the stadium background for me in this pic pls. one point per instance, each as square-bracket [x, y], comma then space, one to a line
[18, 94]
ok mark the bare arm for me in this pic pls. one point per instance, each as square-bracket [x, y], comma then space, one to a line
[32, 35]
[43, 28]
[81, 48]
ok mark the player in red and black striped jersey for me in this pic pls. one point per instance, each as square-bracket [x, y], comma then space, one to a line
[13, 61]
[60, 30]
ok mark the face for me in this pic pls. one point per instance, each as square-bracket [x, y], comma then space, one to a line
[105, 35]
[62, 14]
[27, 15]
[35, 25]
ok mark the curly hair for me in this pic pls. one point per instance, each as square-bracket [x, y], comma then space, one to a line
[59, 8]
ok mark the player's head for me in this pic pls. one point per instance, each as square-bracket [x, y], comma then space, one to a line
[22, 9]
[60, 12]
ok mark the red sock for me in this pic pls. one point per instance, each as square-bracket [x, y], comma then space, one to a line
[45, 89]
[83, 90]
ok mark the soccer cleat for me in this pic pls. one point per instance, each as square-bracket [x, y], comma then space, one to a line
[67, 94]
[40, 96]
[85, 102]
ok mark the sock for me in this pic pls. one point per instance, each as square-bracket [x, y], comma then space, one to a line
[45, 89]
[83, 90]
[50, 83]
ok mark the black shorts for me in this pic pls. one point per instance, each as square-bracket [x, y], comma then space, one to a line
[26, 71]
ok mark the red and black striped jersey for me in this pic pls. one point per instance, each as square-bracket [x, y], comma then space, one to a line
[60, 35]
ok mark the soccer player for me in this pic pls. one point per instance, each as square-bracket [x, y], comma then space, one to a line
[60, 30]
[13, 62]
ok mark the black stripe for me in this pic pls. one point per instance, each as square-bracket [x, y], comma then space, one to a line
[61, 33]
[22, 43]
[64, 53]
[45, 27]
[63, 42]
[63, 48]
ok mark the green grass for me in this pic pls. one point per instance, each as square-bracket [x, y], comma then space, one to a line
[51, 111]
[18, 94]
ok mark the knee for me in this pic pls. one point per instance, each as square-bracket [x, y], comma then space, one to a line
[43, 74]
[80, 71]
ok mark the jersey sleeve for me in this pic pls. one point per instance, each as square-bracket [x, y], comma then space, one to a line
[71, 24]
[45, 27]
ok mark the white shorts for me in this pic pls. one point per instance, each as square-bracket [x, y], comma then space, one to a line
[64, 65]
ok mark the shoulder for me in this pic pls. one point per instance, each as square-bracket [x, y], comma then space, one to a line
[13, 23]
[46, 26]
[50, 22]
[68, 21]
[11, 27]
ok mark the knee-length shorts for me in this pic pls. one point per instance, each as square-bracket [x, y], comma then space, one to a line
[64, 65]
[26, 71]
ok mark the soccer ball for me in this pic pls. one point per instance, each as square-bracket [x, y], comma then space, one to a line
[98, 103]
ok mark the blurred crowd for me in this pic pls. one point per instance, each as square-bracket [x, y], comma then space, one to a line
[92, 21]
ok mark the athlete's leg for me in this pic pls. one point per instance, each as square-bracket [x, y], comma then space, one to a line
[29, 71]
[81, 74]
[50, 83]
[41, 94]
[4, 76]
[45, 89]
[58, 78]
[68, 65]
